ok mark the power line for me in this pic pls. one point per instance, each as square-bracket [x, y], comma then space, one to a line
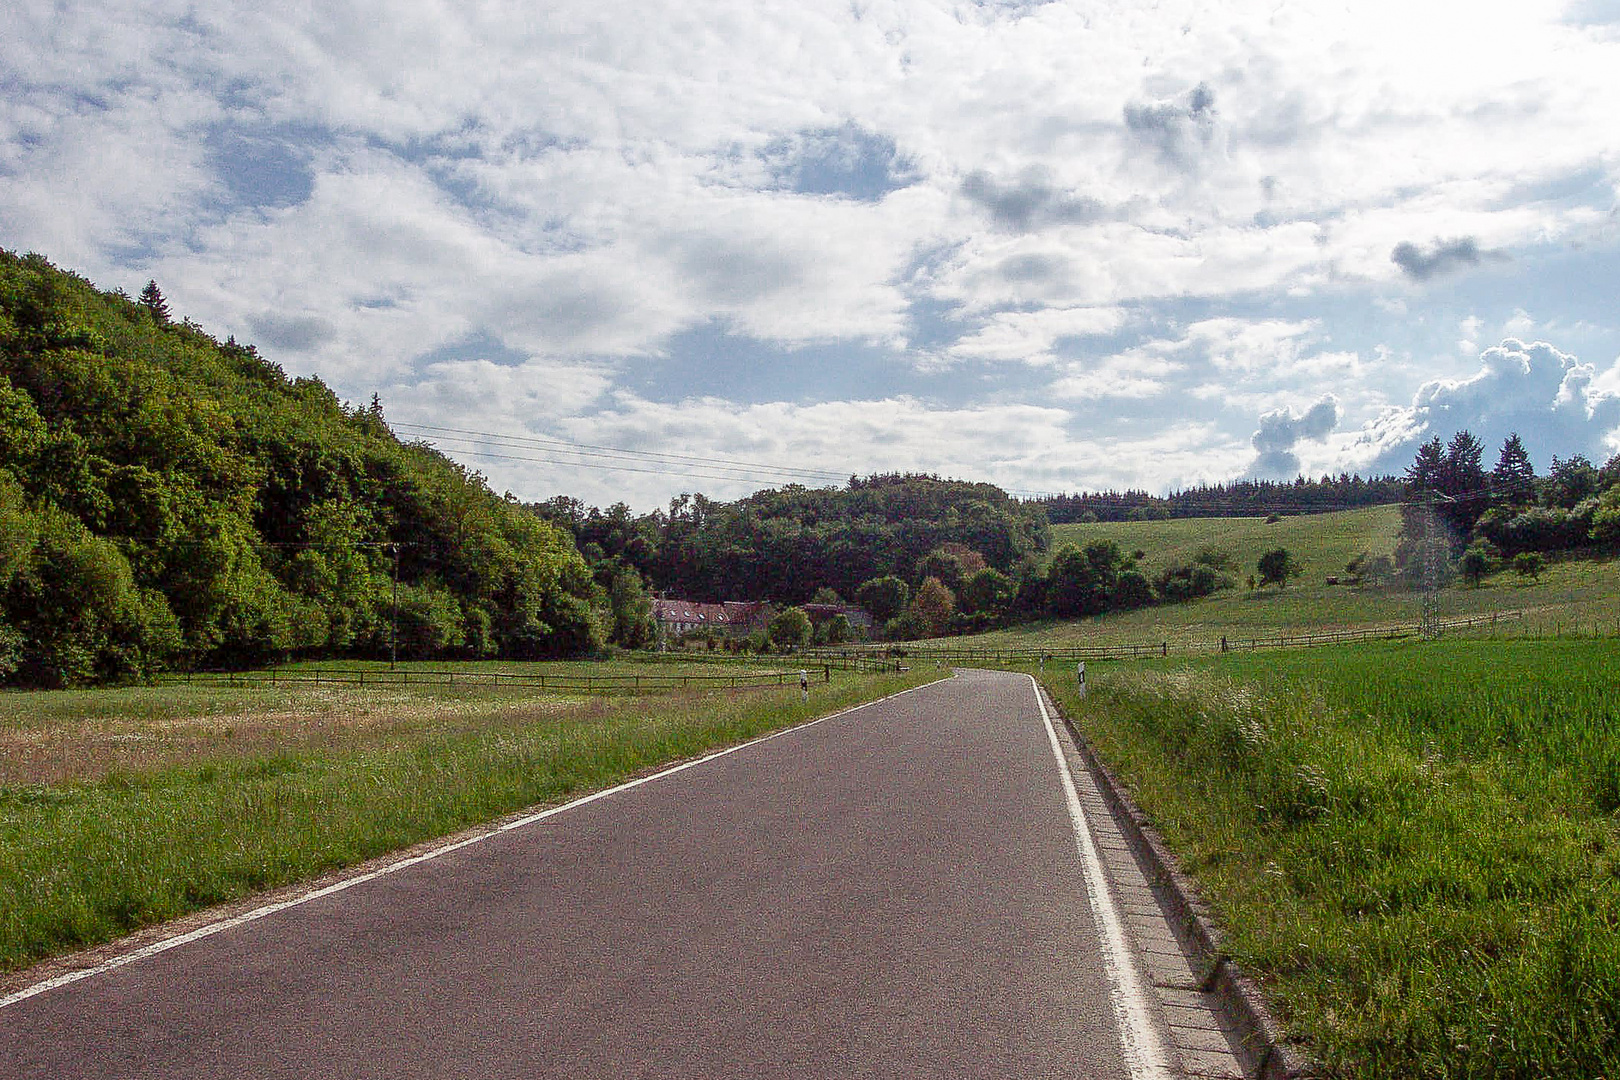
[752, 479]
[470, 442]
[614, 453]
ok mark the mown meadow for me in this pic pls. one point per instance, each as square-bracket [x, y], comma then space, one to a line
[1414, 846]
[124, 807]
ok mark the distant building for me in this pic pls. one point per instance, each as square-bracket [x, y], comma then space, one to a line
[859, 620]
[733, 619]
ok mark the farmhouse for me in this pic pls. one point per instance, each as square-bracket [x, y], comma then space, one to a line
[733, 619]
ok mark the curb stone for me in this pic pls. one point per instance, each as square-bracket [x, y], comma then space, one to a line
[1266, 1052]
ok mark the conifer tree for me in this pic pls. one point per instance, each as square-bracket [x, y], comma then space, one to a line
[152, 298]
[1513, 481]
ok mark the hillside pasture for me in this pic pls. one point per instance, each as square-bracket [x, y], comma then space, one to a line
[1324, 543]
[1572, 596]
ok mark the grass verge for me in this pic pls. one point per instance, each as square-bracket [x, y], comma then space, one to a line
[1413, 847]
[83, 861]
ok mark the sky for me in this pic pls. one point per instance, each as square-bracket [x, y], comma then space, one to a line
[624, 251]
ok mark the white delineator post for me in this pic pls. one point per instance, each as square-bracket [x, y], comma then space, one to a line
[1080, 676]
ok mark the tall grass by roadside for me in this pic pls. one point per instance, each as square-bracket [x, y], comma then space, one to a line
[82, 863]
[1415, 847]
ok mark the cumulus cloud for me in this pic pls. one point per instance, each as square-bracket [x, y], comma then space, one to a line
[1556, 403]
[873, 182]
[846, 437]
[1030, 336]
[483, 395]
[1031, 201]
[1442, 257]
[1178, 131]
[1281, 431]
[298, 333]
[1133, 374]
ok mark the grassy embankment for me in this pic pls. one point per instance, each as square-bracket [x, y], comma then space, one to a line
[120, 808]
[1579, 596]
[1414, 846]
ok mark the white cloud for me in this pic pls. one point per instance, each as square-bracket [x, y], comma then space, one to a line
[578, 185]
[1282, 431]
[1030, 336]
[1136, 373]
[1549, 397]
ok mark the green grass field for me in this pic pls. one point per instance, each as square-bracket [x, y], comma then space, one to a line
[120, 808]
[1414, 846]
[1323, 542]
[1580, 596]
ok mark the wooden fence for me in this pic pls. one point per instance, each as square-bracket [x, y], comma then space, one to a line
[864, 662]
[1147, 649]
[586, 684]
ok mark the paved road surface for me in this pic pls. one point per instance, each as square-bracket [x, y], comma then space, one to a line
[894, 892]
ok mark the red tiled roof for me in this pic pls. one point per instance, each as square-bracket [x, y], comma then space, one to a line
[690, 611]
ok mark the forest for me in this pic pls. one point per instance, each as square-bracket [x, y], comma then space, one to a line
[1470, 520]
[786, 544]
[1238, 498]
[169, 500]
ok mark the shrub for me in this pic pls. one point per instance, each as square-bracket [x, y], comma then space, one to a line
[1132, 590]
[1277, 566]
[790, 628]
[1477, 561]
[1188, 582]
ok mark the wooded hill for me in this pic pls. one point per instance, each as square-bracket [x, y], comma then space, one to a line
[786, 544]
[170, 500]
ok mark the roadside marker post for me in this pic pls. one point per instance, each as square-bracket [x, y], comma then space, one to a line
[1080, 676]
[804, 685]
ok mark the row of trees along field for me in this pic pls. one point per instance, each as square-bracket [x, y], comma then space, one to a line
[1484, 517]
[1240, 498]
[168, 500]
[959, 594]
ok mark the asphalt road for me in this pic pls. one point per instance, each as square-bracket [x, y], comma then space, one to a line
[894, 892]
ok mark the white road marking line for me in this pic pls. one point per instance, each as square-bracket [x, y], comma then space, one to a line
[1145, 1055]
[360, 879]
